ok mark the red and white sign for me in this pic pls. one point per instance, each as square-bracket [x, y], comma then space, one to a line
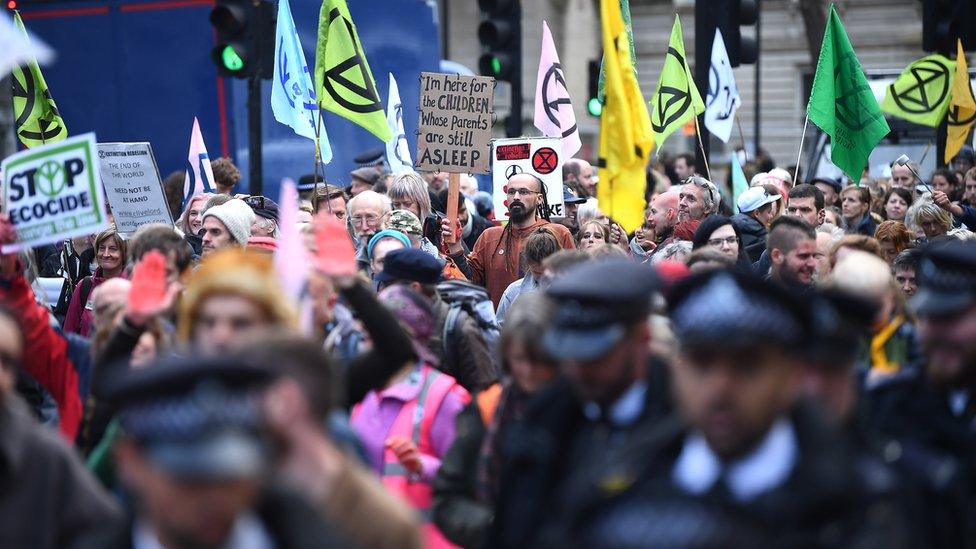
[538, 156]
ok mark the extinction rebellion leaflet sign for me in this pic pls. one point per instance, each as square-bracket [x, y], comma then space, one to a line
[52, 192]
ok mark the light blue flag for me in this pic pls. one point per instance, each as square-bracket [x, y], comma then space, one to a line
[292, 94]
[739, 183]
[397, 148]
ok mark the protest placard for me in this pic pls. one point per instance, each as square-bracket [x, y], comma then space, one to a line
[454, 128]
[52, 192]
[455, 122]
[132, 185]
[538, 156]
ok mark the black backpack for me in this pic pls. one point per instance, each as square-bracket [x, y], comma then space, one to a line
[473, 300]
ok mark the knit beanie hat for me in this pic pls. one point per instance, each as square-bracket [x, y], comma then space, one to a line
[415, 315]
[386, 233]
[235, 271]
[236, 216]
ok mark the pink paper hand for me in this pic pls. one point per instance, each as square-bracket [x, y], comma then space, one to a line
[335, 256]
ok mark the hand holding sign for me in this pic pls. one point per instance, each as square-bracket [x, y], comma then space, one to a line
[149, 294]
[335, 255]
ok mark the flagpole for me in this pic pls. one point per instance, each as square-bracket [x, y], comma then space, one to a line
[708, 172]
[797, 172]
[925, 153]
[315, 169]
[742, 136]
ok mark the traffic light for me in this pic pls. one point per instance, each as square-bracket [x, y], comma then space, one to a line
[593, 104]
[500, 34]
[943, 21]
[729, 16]
[245, 38]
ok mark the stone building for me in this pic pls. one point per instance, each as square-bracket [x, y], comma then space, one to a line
[886, 34]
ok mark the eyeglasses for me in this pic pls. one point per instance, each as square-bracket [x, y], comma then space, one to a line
[369, 219]
[717, 242]
[520, 192]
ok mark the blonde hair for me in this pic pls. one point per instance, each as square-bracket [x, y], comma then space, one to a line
[861, 272]
[411, 185]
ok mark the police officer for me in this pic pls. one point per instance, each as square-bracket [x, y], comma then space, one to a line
[556, 458]
[742, 464]
[194, 458]
[937, 407]
[930, 481]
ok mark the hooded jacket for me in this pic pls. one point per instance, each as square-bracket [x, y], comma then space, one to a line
[752, 234]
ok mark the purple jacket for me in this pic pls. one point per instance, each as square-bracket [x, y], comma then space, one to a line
[379, 410]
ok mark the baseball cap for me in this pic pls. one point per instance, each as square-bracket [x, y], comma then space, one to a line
[754, 198]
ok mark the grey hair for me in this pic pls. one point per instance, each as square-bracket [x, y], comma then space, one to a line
[925, 207]
[411, 185]
[587, 211]
[711, 198]
[366, 196]
[263, 222]
[835, 232]
[671, 251]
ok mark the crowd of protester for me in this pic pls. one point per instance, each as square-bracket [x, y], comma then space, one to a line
[796, 368]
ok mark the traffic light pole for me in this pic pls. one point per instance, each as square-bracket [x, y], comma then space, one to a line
[513, 126]
[255, 169]
[757, 82]
[703, 42]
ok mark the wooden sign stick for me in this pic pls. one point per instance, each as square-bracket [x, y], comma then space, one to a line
[453, 193]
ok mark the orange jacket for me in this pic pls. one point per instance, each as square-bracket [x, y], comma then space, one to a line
[495, 263]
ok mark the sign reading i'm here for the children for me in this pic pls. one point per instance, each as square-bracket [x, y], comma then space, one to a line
[455, 123]
[52, 192]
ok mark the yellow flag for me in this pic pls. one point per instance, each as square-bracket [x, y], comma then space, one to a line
[962, 107]
[626, 139]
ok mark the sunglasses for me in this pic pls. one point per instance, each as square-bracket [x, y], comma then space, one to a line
[255, 202]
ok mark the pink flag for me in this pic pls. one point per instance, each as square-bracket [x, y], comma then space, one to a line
[290, 258]
[554, 114]
[199, 177]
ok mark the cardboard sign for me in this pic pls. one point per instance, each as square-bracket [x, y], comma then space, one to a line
[539, 156]
[132, 185]
[52, 192]
[455, 122]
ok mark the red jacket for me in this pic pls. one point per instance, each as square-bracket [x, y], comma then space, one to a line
[45, 355]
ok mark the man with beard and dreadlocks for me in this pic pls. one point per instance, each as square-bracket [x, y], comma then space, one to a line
[495, 259]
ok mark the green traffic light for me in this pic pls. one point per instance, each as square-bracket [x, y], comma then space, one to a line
[231, 60]
[594, 107]
[496, 66]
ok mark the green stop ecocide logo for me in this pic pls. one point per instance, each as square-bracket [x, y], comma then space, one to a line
[50, 178]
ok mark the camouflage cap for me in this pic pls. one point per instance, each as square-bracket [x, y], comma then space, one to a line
[405, 222]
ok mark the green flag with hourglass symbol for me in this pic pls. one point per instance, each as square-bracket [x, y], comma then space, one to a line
[37, 119]
[842, 103]
[677, 99]
[343, 82]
